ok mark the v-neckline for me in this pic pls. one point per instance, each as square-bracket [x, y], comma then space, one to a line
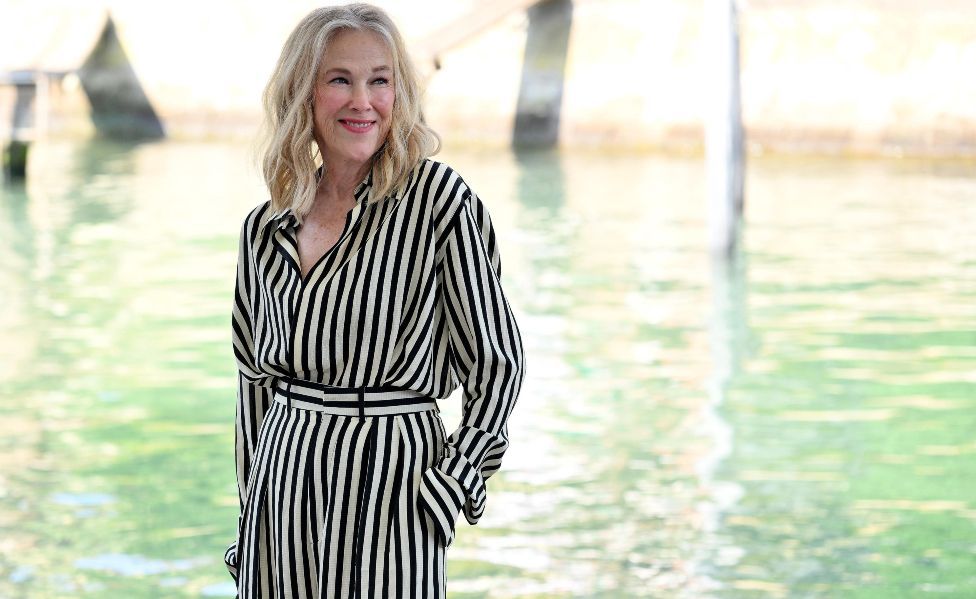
[298, 256]
[290, 233]
[360, 205]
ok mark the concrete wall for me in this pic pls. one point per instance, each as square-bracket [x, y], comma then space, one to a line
[840, 76]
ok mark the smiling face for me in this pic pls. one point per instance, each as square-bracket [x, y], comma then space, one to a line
[353, 100]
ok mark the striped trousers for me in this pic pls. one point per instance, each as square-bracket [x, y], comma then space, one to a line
[331, 507]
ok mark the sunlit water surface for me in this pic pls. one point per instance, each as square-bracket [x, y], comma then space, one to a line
[799, 423]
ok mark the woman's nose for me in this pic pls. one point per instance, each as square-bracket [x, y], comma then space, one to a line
[360, 98]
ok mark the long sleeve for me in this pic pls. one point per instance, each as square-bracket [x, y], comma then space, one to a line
[487, 355]
[254, 392]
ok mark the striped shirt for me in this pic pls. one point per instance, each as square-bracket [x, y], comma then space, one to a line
[409, 296]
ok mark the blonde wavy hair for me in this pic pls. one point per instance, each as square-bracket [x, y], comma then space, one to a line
[290, 156]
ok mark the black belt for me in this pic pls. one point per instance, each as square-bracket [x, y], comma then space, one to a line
[351, 401]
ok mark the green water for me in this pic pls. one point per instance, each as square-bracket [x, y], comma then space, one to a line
[798, 424]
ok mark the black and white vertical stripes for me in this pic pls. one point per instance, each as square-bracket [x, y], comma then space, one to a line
[410, 297]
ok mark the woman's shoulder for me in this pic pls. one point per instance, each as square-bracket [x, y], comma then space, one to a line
[256, 218]
[441, 189]
[441, 180]
[447, 195]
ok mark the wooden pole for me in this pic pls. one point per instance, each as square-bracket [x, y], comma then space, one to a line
[23, 123]
[725, 161]
[539, 104]
[15, 160]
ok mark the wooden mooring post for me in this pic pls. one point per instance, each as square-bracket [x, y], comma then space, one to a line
[28, 116]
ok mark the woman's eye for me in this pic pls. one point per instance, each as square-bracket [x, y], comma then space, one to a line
[381, 80]
[338, 80]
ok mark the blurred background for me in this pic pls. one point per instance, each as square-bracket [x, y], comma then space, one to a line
[741, 383]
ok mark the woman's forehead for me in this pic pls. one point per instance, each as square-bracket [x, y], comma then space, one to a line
[354, 49]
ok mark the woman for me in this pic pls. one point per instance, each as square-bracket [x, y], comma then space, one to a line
[367, 289]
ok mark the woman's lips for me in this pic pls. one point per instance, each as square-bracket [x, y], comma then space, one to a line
[357, 126]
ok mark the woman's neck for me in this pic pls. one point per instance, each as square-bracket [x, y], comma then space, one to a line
[341, 180]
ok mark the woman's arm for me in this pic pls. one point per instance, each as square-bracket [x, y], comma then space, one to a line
[487, 354]
[254, 392]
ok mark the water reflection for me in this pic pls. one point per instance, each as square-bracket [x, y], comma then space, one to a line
[798, 424]
[100, 402]
[854, 347]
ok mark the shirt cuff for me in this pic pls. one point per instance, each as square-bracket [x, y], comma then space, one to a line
[441, 497]
[230, 560]
[452, 485]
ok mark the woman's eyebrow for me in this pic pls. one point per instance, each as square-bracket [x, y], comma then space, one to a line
[379, 69]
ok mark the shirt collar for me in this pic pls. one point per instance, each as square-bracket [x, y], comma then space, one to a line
[362, 190]
[283, 218]
[286, 217]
